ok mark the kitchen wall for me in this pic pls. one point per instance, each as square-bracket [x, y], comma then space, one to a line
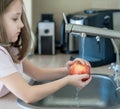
[28, 10]
[57, 7]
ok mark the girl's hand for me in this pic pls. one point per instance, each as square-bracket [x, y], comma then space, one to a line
[82, 61]
[76, 80]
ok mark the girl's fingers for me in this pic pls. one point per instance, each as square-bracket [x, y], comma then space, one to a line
[84, 76]
[87, 81]
[82, 61]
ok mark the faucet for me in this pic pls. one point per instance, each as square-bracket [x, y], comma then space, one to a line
[101, 32]
[116, 66]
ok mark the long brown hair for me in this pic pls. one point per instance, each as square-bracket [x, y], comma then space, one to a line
[24, 40]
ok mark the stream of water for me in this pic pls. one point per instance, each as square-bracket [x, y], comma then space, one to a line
[77, 89]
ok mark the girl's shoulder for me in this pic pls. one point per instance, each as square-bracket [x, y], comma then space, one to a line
[2, 49]
[7, 64]
[3, 52]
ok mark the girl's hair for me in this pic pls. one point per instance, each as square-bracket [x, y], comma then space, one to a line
[24, 40]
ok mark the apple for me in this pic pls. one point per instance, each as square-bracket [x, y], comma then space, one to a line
[78, 68]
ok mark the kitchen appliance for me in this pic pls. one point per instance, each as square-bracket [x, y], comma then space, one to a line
[46, 35]
[98, 51]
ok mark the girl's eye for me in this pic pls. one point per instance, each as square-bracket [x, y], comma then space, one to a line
[15, 19]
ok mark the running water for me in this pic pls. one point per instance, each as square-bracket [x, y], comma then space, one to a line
[83, 35]
[83, 46]
[77, 97]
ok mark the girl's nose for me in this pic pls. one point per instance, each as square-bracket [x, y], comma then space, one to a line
[21, 25]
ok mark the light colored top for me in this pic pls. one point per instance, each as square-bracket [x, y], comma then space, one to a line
[7, 67]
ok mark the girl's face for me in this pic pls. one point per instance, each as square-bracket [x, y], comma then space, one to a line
[12, 20]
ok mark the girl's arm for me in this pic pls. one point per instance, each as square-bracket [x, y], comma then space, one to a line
[43, 73]
[29, 94]
[48, 73]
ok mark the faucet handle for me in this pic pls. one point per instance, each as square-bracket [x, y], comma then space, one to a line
[112, 65]
[115, 67]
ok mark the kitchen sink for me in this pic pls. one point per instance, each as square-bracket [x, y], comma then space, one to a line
[100, 93]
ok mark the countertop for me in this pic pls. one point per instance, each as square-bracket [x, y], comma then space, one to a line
[9, 101]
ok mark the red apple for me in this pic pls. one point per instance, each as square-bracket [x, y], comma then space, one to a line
[78, 68]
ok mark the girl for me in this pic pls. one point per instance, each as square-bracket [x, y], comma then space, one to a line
[15, 40]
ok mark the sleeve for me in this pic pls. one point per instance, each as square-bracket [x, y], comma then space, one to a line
[7, 66]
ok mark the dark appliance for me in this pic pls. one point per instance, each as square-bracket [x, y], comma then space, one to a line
[46, 35]
[98, 51]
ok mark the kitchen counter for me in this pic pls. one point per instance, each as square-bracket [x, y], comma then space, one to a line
[9, 101]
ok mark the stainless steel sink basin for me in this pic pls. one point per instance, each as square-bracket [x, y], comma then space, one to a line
[99, 94]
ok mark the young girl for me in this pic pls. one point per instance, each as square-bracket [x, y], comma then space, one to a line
[15, 40]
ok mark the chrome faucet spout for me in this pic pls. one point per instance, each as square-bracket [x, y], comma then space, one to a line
[95, 31]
